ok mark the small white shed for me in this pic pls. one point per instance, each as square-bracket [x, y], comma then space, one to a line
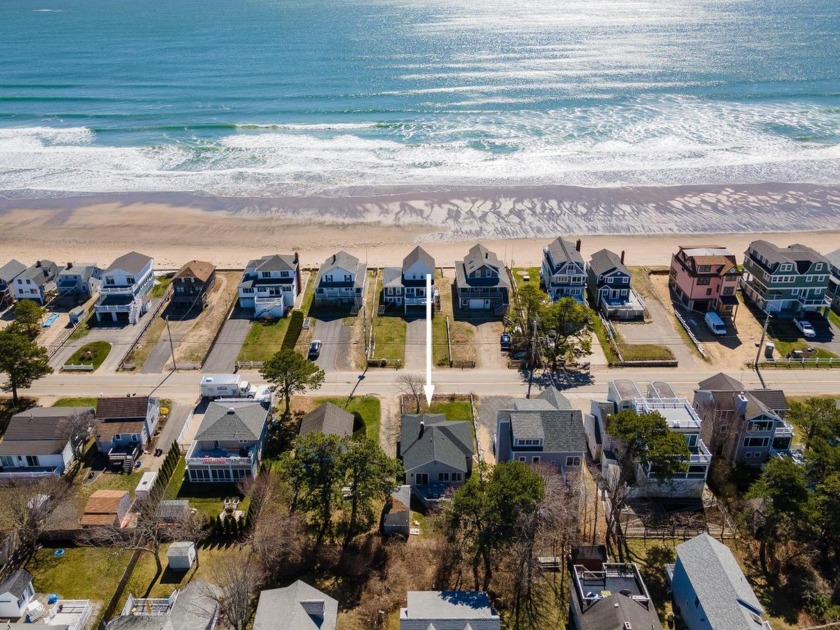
[181, 556]
[144, 488]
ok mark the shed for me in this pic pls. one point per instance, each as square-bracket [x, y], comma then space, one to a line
[144, 488]
[397, 517]
[181, 556]
[77, 314]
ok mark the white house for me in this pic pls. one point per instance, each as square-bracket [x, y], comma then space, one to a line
[270, 285]
[36, 282]
[125, 292]
[405, 287]
[563, 272]
[16, 591]
[36, 443]
[341, 282]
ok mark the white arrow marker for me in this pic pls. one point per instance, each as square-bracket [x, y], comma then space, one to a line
[428, 388]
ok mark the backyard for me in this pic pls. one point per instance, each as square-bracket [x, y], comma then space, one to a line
[207, 498]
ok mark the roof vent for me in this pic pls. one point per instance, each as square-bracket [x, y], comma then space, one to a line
[627, 626]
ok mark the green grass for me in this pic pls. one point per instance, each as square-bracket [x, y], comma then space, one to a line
[452, 409]
[308, 293]
[629, 352]
[78, 401]
[161, 285]
[834, 318]
[207, 498]
[93, 353]
[367, 411]
[82, 328]
[533, 273]
[389, 332]
[263, 340]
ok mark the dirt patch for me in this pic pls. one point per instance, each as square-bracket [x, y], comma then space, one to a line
[490, 356]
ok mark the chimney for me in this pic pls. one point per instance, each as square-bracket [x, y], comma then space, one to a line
[577, 245]
[38, 264]
[69, 265]
[231, 410]
[298, 278]
[422, 427]
[622, 256]
[741, 405]
[335, 257]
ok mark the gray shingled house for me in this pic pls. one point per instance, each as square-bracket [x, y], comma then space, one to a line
[78, 282]
[449, 610]
[194, 607]
[542, 429]
[329, 420]
[482, 282]
[341, 283]
[296, 607]
[563, 272]
[833, 282]
[405, 287]
[608, 281]
[8, 273]
[36, 282]
[125, 292]
[436, 453]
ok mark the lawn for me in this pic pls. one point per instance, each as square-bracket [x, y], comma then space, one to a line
[629, 352]
[453, 409]
[366, 410]
[308, 293]
[263, 340]
[834, 318]
[207, 498]
[533, 276]
[161, 285]
[138, 356]
[79, 401]
[93, 353]
[462, 332]
[389, 333]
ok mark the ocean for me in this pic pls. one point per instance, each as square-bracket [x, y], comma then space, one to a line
[265, 98]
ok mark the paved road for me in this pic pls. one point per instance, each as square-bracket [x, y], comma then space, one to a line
[415, 344]
[222, 358]
[335, 340]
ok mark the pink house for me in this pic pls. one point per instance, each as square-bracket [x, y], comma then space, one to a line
[705, 278]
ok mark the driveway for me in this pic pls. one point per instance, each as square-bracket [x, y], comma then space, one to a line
[121, 338]
[335, 340]
[162, 352]
[489, 351]
[488, 409]
[222, 358]
[415, 344]
[660, 331]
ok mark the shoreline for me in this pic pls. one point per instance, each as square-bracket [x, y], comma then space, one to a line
[648, 223]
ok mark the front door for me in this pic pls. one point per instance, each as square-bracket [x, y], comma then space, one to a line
[422, 479]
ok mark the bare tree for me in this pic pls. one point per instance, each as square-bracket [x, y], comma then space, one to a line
[77, 429]
[412, 385]
[26, 508]
[237, 581]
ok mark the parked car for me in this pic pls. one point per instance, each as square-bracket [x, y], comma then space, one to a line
[805, 327]
[315, 349]
[504, 341]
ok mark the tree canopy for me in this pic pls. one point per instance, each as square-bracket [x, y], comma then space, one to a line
[292, 373]
[22, 360]
[28, 315]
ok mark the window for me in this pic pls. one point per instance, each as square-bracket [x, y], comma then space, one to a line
[572, 461]
[130, 280]
[117, 437]
[696, 602]
[521, 459]
[753, 442]
[809, 279]
[535, 460]
[109, 280]
[818, 267]
[704, 268]
[444, 476]
[708, 291]
[762, 425]
[134, 438]
[786, 267]
[284, 274]
[348, 278]
[456, 476]
[610, 280]
[691, 440]
[265, 274]
[704, 281]
[728, 291]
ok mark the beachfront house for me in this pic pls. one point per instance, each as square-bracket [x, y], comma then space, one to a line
[449, 610]
[125, 424]
[341, 283]
[37, 282]
[296, 607]
[608, 281]
[125, 292]
[228, 445]
[705, 278]
[709, 589]
[608, 595]
[833, 282]
[270, 285]
[437, 454]
[624, 394]
[563, 272]
[16, 591]
[37, 442]
[192, 285]
[405, 287]
[744, 426]
[8, 273]
[482, 282]
[78, 282]
[544, 429]
[785, 282]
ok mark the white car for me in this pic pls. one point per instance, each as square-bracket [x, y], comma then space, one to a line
[805, 326]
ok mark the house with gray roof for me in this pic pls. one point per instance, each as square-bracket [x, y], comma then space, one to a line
[270, 285]
[8, 273]
[125, 291]
[482, 282]
[193, 607]
[745, 426]
[16, 591]
[786, 282]
[328, 419]
[436, 453]
[608, 595]
[229, 442]
[608, 281]
[405, 287]
[449, 610]
[544, 429]
[340, 283]
[709, 590]
[563, 272]
[37, 282]
[36, 442]
[78, 282]
[833, 291]
[296, 607]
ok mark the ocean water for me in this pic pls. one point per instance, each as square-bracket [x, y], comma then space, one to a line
[331, 97]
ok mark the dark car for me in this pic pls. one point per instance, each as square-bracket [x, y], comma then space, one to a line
[314, 349]
[504, 341]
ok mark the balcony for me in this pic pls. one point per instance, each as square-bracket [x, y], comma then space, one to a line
[30, 473]
[783, 430]
[795, 454]
[269, 300]
[813, 303]
[222, 457]
[113, 289]
[70, 613]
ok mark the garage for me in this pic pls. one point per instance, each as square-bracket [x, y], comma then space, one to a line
[479, 305]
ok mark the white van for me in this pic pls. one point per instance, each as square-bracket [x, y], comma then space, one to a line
[715, 324]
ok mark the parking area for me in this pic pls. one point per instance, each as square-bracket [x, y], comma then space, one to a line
[121, 338]
[336, 339]
[222, 358]
[415, 344]
[490, 355]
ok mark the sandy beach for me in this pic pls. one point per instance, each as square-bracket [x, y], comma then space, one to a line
[648, 223]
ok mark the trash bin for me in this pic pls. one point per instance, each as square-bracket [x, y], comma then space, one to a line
[768, 350]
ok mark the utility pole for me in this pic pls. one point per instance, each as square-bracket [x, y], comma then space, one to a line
[171, 345]
[761, 342]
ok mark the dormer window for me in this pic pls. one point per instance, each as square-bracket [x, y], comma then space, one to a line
[528, 442]
[704, 268]
[818, 267]
[786, 267]
[265, 274]
[284, 274]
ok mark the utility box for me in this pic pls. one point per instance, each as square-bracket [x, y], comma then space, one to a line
[144, 488]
